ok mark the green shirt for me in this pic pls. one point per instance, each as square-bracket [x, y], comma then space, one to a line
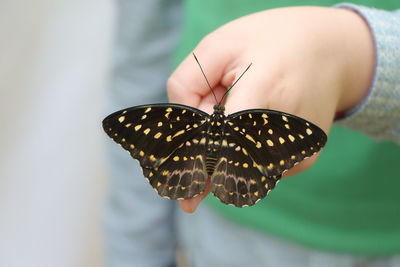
[349, 200]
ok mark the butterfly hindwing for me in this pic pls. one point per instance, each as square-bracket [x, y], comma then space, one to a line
[183, 174]
[236, 179]
[276, 140]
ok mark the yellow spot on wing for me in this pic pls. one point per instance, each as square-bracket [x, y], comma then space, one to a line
[128, 125]
[270, 131]
[179, 133]
[308, 131]
[284, 118]
[250, 138]
[169, 138]
[121, 119]
[258, 145]
[159, 124]
[270, 143]
[157, 135]
[146, 132]
[147, 110]
[281, 140]
[144, 116]
[282, 162]
[137, 127]
[168, 110]
[245, 165]
[141, 153]
[291, 138]
[176, 158]
[224, 143]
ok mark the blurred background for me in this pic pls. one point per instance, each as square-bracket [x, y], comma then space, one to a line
[54, 68]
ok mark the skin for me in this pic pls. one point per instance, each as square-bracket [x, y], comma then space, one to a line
[309, 61]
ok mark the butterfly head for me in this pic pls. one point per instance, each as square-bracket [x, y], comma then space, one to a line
[219, 109]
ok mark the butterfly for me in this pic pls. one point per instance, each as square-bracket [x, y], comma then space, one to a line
[245, 153]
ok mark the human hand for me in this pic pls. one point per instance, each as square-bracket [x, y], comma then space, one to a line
[308, 61]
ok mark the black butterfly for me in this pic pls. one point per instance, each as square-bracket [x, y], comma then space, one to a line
[245, 153]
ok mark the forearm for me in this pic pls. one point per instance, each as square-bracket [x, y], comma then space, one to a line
[377, 114]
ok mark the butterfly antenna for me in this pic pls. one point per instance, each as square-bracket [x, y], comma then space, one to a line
[229, 88]
[205, 77]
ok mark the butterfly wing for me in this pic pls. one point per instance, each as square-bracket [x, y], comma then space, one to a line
[161, 137]
[259, 146]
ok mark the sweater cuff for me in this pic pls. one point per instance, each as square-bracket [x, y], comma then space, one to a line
[378, 115]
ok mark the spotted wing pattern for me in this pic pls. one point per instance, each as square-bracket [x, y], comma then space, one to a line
[256, 146]
[164, 138]
[259, 146]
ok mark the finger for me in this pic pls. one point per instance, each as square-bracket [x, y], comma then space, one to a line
[251, 91]
[190, 205]
[187, 84]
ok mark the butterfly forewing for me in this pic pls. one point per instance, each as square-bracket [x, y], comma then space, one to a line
[276, 141]
[152, 132]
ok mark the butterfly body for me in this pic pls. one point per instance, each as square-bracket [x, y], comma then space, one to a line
[214, 137]
[245, 153]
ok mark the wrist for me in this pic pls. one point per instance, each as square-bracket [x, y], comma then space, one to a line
[359, 61]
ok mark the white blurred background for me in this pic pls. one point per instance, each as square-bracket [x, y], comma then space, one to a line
[54, 67]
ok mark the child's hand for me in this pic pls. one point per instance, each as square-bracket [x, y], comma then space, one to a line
[308, 61]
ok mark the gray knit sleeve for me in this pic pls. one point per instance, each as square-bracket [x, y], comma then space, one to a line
[379, 114]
